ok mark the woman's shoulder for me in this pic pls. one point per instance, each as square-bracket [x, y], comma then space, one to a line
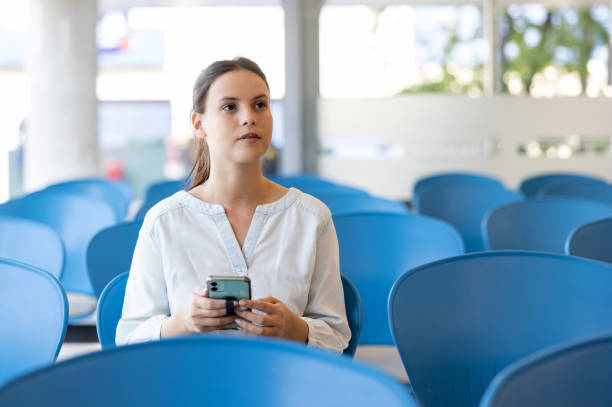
[309, 204]
[165, 207]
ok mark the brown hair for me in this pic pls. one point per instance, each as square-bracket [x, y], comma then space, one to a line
[201, 167]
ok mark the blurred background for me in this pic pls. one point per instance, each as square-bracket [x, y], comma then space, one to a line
[373, 94]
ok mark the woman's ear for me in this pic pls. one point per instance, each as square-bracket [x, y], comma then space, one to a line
[196, 123]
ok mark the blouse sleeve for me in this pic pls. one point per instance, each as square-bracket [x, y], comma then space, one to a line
[145, 306]
[325, 313]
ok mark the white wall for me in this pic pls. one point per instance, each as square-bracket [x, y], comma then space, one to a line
[450, 133]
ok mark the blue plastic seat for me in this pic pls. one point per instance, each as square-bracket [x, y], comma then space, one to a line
[110, 306]
[31, 243]
[110, 253]
[76, 219]
[155, 193]
[540, 224]
[33, 319]
[448, 179]
[376, 249]
[592, 240]
[593, 191]
[569, 375]
[464, 205]
[354, 314]
[114, 193]
[457, 322]
[209, 370]
[346, 205]
[532, 186]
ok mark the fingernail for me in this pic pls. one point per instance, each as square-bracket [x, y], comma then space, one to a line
[238, 321]
[242, 302]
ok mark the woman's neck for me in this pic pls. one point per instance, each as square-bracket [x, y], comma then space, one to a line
[239, 187]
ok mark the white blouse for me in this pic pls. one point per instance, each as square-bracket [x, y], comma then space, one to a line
[290, 252]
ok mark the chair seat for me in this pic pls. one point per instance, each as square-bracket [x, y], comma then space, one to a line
[385, 358]
[80, 305]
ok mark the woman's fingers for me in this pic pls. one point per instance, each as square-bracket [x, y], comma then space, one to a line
[260, 305]
[208, 304]
[250, 329]
[257, 318]
[215, 322]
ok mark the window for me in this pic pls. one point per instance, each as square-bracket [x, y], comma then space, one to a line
[367, 51]
[548, 52]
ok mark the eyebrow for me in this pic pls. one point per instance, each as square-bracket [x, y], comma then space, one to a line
[263, 95]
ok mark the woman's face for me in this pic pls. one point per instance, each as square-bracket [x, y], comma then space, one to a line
[237, 122]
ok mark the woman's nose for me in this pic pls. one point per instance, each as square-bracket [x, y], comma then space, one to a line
[249, 118]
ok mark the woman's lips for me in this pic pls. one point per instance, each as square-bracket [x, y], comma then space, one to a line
[249, 138]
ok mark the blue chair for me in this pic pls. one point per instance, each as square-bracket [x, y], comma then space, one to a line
[593, 191]
[576, 374]
[531, 187]
[33, 319]
[111, 192]
[110, 253]
[540, 224]
[448, 179]
[345, 205]
[592, 241]
[31, 243]
[458, 321]
[464, 205]
[110, 307]
[76, 219]
[354, 314]
[155, 193]
[377, 248]
[208, 370]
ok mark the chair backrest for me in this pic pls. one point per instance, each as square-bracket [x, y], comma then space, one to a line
[31, 243]
[451, 178]
[464, 205]
[593, 191]
[75, 218]
[376, 249]
[107, 191]
[531, 187]
[110, 253]
[575, 374]
[592, 240]
[202, 370]
[110, 306]
[540, 224]
[155, 193]
[33, 318]
[457, 322]
[354, 314]
[351, 204]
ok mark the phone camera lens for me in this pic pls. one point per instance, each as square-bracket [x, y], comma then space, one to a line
[214, 283]
[213, 289]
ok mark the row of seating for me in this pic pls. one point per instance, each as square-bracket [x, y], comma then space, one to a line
[374, 247]
[456, 322]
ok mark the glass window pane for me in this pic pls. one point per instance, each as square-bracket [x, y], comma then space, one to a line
[549, 52]
[367, 51]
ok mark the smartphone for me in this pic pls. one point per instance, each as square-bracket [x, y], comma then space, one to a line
[234, 288]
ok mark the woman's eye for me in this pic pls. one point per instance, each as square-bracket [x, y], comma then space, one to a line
[229, 107]
[261, 105]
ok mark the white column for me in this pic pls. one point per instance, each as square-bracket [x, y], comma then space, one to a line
[300, 152]
[62, 138]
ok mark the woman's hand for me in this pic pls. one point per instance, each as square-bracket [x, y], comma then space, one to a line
[200, 314]
[278, 321]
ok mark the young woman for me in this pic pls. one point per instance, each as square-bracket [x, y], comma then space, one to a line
[234, 221]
